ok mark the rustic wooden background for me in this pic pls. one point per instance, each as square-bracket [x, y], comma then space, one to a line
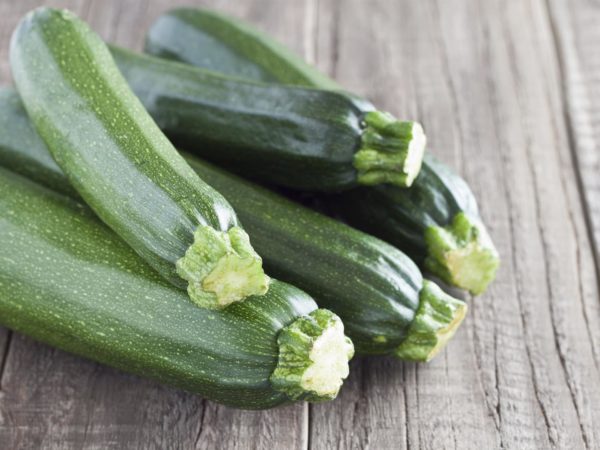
[509, 92]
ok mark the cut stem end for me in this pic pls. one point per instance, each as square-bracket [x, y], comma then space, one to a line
[462, 254]
[437, 319]
[222, 268]
[391, 151]
[313, 357]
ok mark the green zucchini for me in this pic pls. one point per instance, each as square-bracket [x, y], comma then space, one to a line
[225, 44]
[376, 290]
[303, 138]
[124, 167]
[68, 281]
[436, 221]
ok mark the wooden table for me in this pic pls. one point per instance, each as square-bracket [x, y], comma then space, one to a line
[509, 93]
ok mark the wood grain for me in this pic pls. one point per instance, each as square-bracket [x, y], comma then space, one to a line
[509, 93]
[577, 35]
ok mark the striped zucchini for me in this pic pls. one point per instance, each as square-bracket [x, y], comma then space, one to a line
[67, 280]
[377, 291]
[124, 167]
[436, 221]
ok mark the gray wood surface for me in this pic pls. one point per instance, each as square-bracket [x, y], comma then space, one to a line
[509, 93]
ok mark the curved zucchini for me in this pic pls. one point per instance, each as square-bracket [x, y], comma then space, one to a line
[67, 280]
[124, 167]
[436, 221]
[377, 291]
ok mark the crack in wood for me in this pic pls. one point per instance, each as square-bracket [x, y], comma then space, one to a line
[495, 405]
[406, 410]
[200, 424]
[4, 356]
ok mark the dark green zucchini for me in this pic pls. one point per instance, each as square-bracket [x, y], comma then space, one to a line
[68, 281]
[298, 137]
[225, 44]
[124, 167]
[378, 292]
[436, 221]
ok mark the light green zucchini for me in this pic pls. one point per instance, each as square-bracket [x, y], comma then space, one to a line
[124, 167]
[68, 281]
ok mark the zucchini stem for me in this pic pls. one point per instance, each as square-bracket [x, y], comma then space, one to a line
[313, 357]
[437, 319]
[222, 268]
[391, 150]
[462, 254]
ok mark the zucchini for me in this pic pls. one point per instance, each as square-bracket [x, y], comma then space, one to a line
[124, 167]
[225, 44]
[436, 222]
[376, 290]
[68, 281]
[298, 137]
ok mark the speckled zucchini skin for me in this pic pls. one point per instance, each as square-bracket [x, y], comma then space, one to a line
[102, 137]
[67, 280]
[400, 216]
[371, 285]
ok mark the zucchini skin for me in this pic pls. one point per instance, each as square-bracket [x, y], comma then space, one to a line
[20, 143]
[411, 219]
[371, 285]
[113, 153]
[68, 281]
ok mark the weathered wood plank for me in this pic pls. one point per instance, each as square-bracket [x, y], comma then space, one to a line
[484, 80]
[55, 400]
[503, 59]
[577, 34]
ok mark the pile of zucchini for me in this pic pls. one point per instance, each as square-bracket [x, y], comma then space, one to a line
[118, 247]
